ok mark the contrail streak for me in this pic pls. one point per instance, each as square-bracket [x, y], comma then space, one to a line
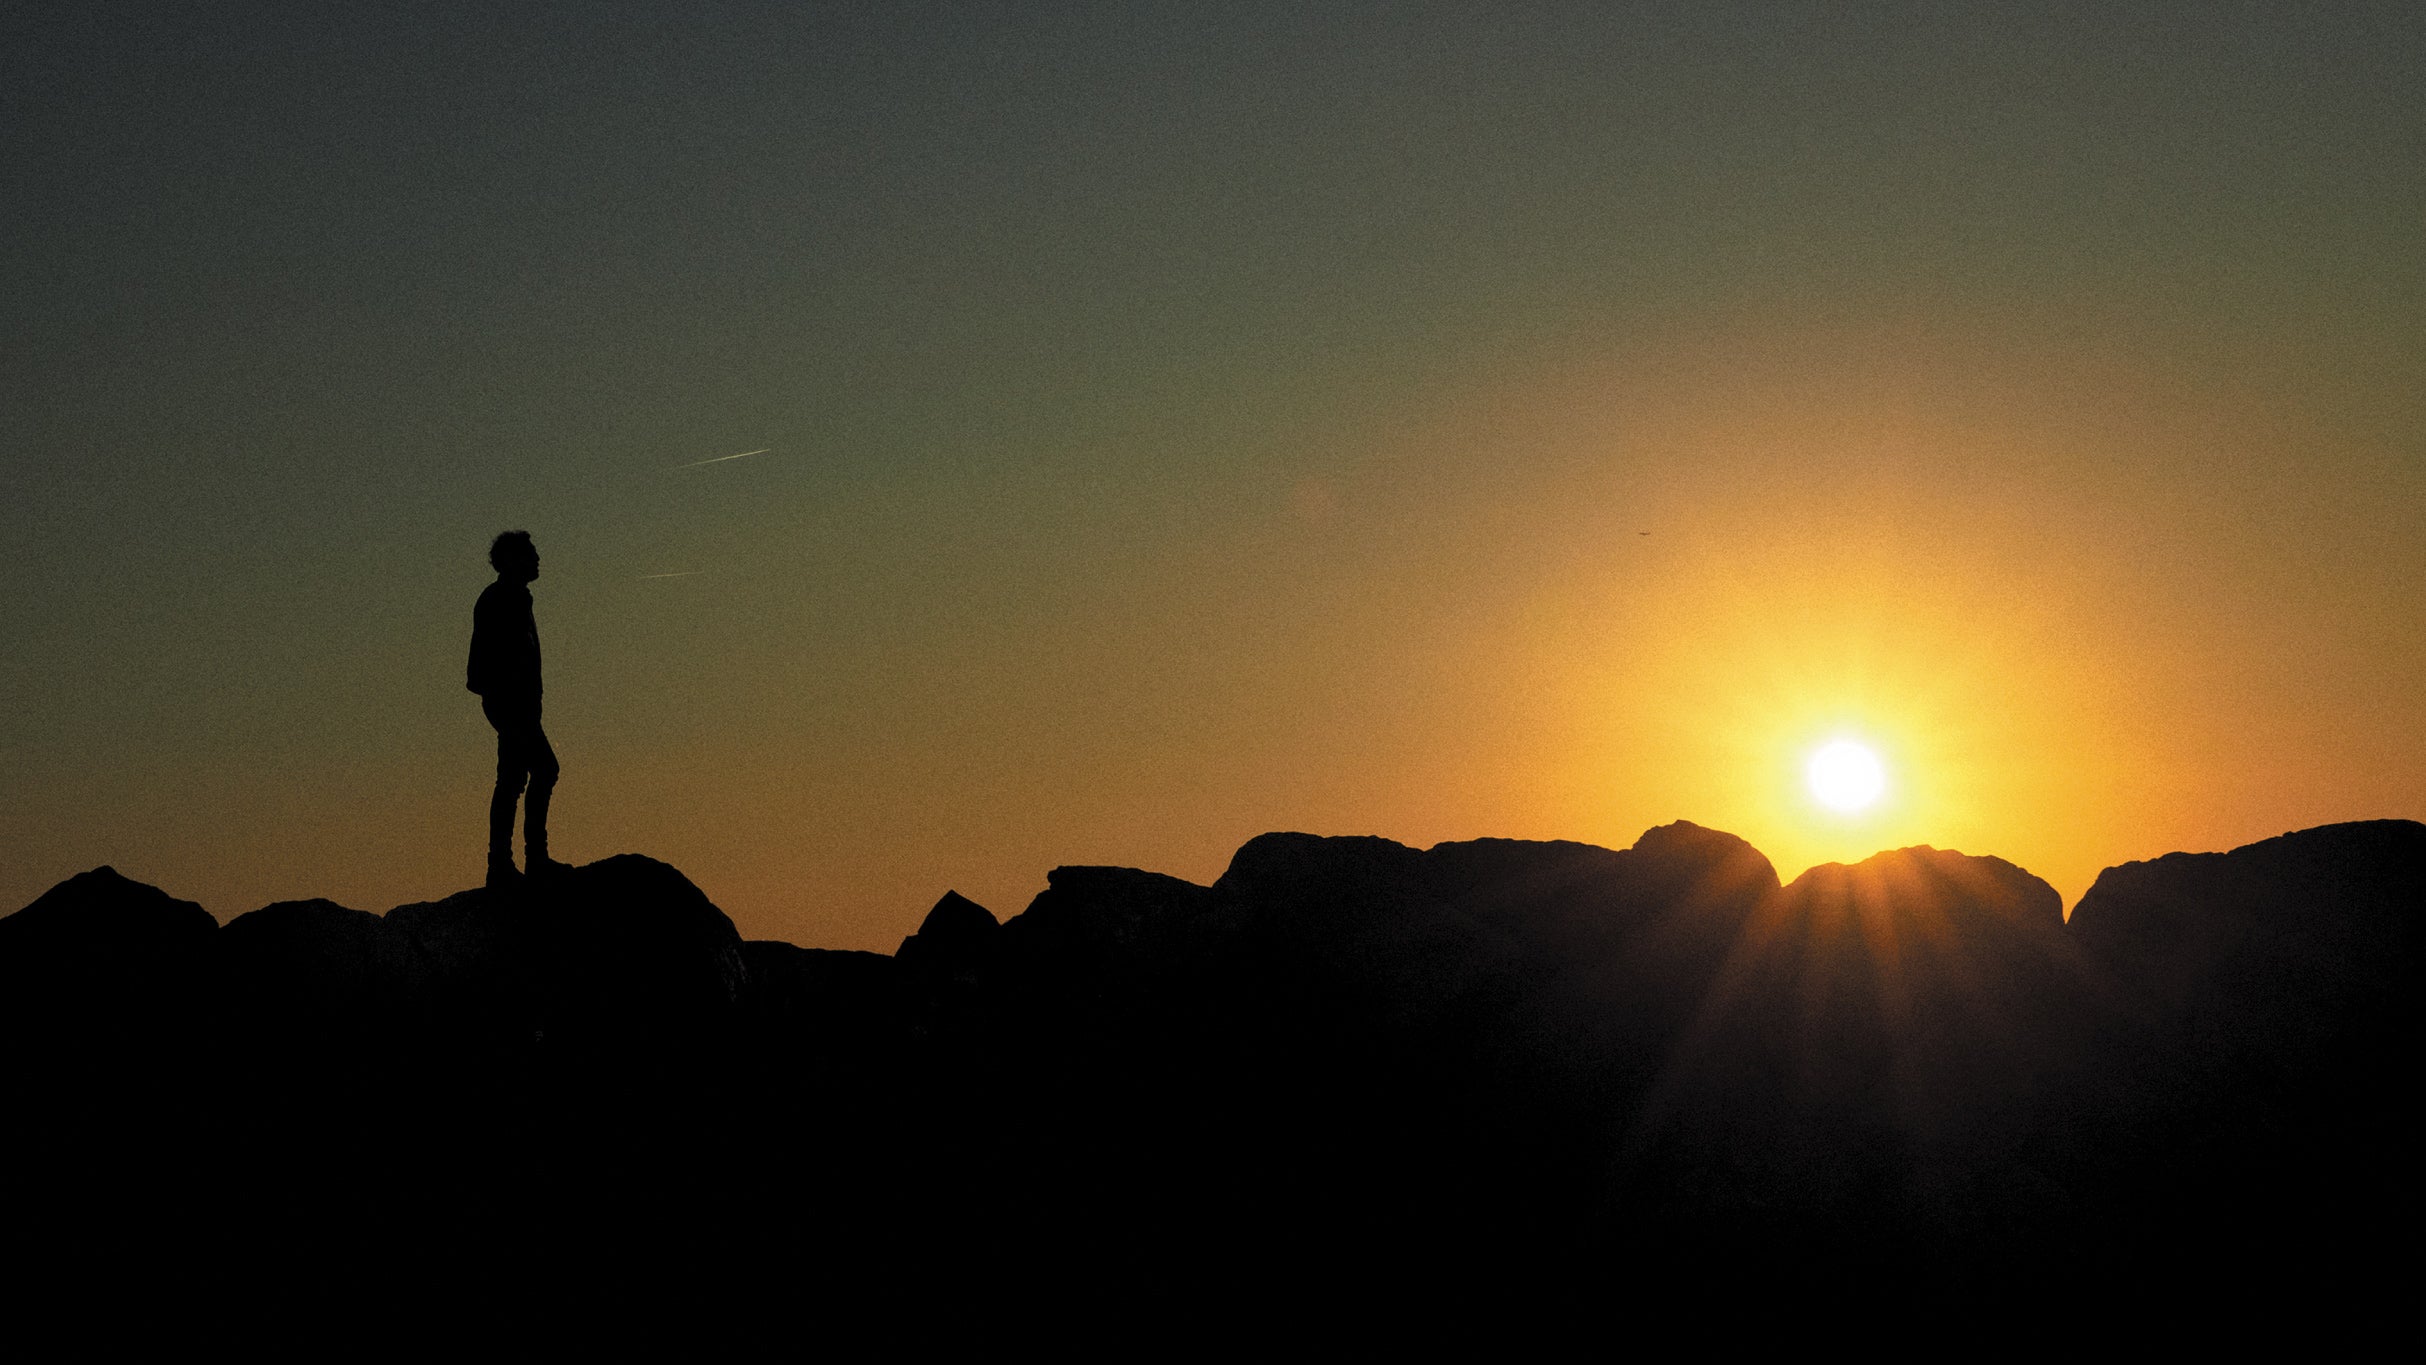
[678, 573]
[720, 459]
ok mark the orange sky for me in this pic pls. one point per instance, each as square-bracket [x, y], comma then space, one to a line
[2087, 607]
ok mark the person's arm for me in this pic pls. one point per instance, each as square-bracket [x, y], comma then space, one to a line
[478, 670]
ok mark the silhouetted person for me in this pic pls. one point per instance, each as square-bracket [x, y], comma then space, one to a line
[504, 670]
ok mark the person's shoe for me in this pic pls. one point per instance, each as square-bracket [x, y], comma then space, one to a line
[540, 864]
[502, 874]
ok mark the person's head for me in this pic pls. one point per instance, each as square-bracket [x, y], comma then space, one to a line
[513, 556]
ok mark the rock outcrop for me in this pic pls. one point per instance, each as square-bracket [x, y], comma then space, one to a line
[1486, 1073]
[2254, 1019]
[101, 949]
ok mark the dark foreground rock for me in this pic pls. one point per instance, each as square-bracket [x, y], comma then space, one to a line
[100, 952]
[2255, 1034]
[1487, 1083]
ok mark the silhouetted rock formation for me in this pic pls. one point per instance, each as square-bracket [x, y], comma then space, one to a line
[101, 947]
[102, 983]
[1483, 1074]
[958, 936]
[2255, 1025]
[312, 962]
[821, 997]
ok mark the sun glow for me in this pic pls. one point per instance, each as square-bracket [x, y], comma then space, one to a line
[1845, 776]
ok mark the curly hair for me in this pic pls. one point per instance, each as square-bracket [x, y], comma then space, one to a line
[510, 545]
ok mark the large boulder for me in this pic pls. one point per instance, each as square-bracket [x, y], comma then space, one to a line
[304, 971]
[101, 958]
[2279, 948]
[1622, 947]
[1101, 945]
[1112, 918]
[113, 1054]
[1929, 976]
[958, 939]
[2256, 1016]
[625, 949]
[1849, 1045]
[1352, 939]
[826, 1000]
[638, 947]
[102, 916]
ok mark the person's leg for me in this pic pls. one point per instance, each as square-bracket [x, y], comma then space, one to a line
[540, 757]
[512, 767]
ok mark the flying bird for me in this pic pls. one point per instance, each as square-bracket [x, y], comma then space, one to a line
[720, 459]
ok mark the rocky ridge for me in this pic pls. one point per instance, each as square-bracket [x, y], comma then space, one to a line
[1486, 1072]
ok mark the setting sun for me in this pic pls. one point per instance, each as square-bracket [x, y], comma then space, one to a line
[1846, 776]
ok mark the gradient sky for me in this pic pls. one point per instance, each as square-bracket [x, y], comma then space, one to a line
[1188, 421]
